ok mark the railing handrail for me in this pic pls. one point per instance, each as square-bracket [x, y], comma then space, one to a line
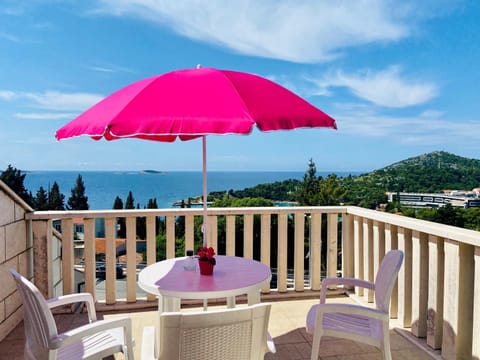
[455, 233]
[65, 214]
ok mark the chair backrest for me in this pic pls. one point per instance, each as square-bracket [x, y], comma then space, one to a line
[386, 277]
[235, 334]
[38, 320]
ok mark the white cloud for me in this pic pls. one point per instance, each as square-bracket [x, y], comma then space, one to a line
[53, 105]
[53, 100]
[6, 95]
[9, 37]
[432, 114]
[110, 68]
[385, 88]
[298, 31]
[44, 116]
[12, 9]
[428, 128]
[56, 100]
[101, 69]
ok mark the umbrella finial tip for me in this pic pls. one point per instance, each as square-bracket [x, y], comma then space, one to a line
[199, 66]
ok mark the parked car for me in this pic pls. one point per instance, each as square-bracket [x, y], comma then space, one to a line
[100, 272]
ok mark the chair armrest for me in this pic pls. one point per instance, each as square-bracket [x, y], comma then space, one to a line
[75, 298]
[149, 344]
[352, 310]
[75, 335]
[342, 281]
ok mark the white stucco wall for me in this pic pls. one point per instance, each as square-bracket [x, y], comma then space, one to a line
[16, 252]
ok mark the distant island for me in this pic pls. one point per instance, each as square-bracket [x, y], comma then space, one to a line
[148, 171]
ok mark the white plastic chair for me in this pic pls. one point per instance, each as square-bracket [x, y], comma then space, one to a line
[234, 334]
[355, 322]
[95, 340]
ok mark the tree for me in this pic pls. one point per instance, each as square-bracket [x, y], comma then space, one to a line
[244, 202]
[14, 179]
[40, 201]
[130, 202]
[308, 190]
[55, 198]
[142, 221]
[448, 215]
[152, 204]
[78, 200]
[331, 192]
[118, 203]
[121, 226]
[277, 191]
[471, 218]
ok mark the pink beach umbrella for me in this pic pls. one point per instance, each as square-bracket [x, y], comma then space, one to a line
[192, 103]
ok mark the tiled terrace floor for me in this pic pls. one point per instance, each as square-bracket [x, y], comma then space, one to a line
[287, 327]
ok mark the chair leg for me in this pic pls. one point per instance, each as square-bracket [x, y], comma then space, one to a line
[317, 335]
[128, 354]
[386, 352]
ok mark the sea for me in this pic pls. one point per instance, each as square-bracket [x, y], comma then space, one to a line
[102, 187]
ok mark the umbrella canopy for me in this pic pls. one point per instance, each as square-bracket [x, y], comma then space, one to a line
[193, 103]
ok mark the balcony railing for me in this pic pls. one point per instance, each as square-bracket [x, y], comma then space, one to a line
[438, 289]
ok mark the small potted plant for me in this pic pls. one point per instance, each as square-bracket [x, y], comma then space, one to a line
[206, 260]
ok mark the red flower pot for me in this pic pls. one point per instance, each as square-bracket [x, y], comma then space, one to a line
[206, 267]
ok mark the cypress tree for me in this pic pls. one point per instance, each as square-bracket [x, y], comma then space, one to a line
[40, 201]
[118, 203]
[308, 190]
[130, 202]
[78, 200]
[55, 198]
[122, 228]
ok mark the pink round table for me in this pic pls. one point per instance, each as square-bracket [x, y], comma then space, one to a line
[232, 276]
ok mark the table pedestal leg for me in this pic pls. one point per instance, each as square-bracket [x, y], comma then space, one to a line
[168, 304]
[253, 297]
[160, 304]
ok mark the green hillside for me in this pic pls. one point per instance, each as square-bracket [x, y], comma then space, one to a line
[431, 173]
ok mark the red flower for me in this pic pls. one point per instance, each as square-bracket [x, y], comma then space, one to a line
[206, 254]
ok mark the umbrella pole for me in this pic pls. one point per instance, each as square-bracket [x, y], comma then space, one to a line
[205, 218]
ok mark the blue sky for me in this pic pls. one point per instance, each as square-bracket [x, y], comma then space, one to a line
[401, 78]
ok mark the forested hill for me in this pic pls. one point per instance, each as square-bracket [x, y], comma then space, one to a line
[277, 191]
[431, 172]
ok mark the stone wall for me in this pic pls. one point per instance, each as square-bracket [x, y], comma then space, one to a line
[16, 252]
